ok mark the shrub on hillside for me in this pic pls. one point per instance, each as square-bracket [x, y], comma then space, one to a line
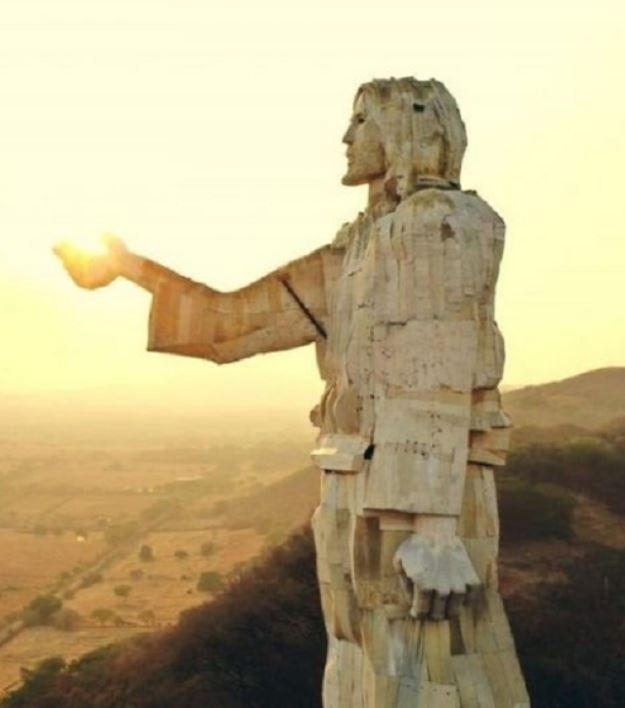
[570, 636]
[122, 591]
[210, 581]
[66, 619]
[146, 554]
[103, 616]
[593, 466]
[91, 579]
[531, 512]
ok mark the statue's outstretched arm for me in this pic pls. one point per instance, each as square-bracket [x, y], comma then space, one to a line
[282, 310]
[285, 309]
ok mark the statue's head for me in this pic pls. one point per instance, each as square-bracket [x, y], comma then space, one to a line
[409, 132]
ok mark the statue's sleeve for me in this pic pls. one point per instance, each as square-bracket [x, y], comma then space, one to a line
[436, 349]
[285, 309]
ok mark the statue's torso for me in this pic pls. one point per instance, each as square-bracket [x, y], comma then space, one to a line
[411, 325]
[430, 266]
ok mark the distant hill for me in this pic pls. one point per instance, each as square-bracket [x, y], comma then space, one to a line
[590, 400]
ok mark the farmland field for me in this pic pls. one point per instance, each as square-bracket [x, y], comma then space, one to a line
[168, 584]
[74, 519]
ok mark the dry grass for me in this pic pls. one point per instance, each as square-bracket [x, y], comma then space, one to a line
[31, 563]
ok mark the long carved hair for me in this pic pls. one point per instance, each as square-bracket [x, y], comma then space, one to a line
[422, 131]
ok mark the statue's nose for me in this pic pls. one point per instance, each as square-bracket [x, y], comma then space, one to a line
[348, 137]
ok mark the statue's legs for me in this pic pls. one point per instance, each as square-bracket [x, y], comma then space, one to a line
[333, 528]
[379, 656]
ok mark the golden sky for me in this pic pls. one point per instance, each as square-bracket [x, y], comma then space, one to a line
[207, 136]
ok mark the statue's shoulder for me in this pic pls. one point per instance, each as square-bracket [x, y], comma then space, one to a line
[428, 207]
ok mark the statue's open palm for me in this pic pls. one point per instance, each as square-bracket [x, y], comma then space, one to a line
[92, 270]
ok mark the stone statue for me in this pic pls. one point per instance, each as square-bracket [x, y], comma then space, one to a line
[401, 308]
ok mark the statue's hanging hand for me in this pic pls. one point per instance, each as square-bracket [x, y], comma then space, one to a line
[437, 572]
[92, 270]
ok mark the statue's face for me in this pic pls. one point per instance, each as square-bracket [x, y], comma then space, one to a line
[365, 152]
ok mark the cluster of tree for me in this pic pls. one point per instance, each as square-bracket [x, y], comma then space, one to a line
[48, 610]
[104, 616]
[41, 609]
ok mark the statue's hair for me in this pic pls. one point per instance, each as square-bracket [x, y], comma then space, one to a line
[422, 130]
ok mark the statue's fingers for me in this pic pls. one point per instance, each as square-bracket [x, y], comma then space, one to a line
[439, 605]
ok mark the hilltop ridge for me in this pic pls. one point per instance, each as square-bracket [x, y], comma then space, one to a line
[592, 399]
